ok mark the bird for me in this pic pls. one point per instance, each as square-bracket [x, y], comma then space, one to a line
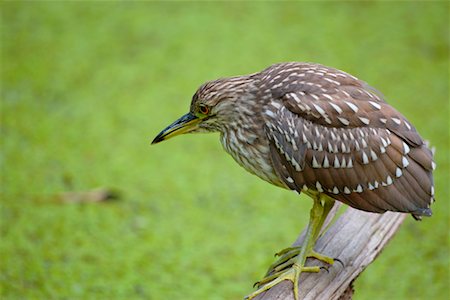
[320, 131]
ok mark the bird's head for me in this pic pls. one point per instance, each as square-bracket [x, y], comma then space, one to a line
[213, 108]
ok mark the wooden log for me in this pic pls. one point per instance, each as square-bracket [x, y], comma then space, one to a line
[356, 238]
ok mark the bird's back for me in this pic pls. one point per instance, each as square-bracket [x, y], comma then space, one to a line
[327, 131]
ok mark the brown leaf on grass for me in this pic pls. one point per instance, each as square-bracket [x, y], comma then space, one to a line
[95, 195]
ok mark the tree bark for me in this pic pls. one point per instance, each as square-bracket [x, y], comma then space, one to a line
[356, 238]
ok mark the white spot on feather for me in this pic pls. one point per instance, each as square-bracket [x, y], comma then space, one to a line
[364, 143]
[332, 81]
[319, 187]
[343, 147]
[373, 155]
[352, 106]
[405, 162]
[335, 190]
[364, 120]
[365, 159]
[295, 97]
[290, 180]
[316, 129]
[326, 163]
[389, 180]
[347, 190]
[319, 109]
[328, 97]
[296, 165]
[374, 104]
[276, 105]
[314, 163]
[275, 86]
[344, 121]
[336, 107]
[304, 137]
[350, 163]
[330, 147]
[396, 120]
[294, 145]
[359, 189]
[336, 162]
[344, 136]
[343, 163]
[314, 144]
[270, 113]
[333, 136]
[398, 172]
[405, 148]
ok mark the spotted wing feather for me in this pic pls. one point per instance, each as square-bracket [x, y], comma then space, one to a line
[347, 142]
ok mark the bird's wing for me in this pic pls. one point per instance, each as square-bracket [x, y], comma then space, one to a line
[331, 132]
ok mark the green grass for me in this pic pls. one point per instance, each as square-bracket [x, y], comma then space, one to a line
[86, 86]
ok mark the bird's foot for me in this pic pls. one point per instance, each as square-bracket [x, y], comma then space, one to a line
[292, 274]
[288, 256]
[289, 267]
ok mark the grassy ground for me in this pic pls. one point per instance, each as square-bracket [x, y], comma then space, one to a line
[85, 86]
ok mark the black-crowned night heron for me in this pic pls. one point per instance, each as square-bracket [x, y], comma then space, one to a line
[314, 129]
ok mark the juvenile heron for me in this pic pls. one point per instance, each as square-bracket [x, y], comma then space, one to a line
[318, 130]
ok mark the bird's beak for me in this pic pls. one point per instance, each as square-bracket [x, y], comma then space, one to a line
[185, 124]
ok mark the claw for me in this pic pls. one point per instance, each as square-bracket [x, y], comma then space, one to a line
[325, 268]
[339, 261]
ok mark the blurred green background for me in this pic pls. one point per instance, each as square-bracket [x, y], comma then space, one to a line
[86, 86]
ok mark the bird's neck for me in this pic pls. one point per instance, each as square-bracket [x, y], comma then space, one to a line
[245, 142]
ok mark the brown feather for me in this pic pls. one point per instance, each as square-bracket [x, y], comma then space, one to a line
[338, 116]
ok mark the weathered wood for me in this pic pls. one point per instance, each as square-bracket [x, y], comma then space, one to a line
[356, 238]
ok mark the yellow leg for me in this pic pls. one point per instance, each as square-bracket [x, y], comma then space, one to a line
[292, 260]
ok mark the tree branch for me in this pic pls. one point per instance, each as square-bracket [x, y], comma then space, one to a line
[356, 238]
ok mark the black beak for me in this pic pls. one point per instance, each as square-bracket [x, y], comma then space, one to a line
[185, 124]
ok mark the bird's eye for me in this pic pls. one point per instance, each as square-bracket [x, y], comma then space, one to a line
[203, 109]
